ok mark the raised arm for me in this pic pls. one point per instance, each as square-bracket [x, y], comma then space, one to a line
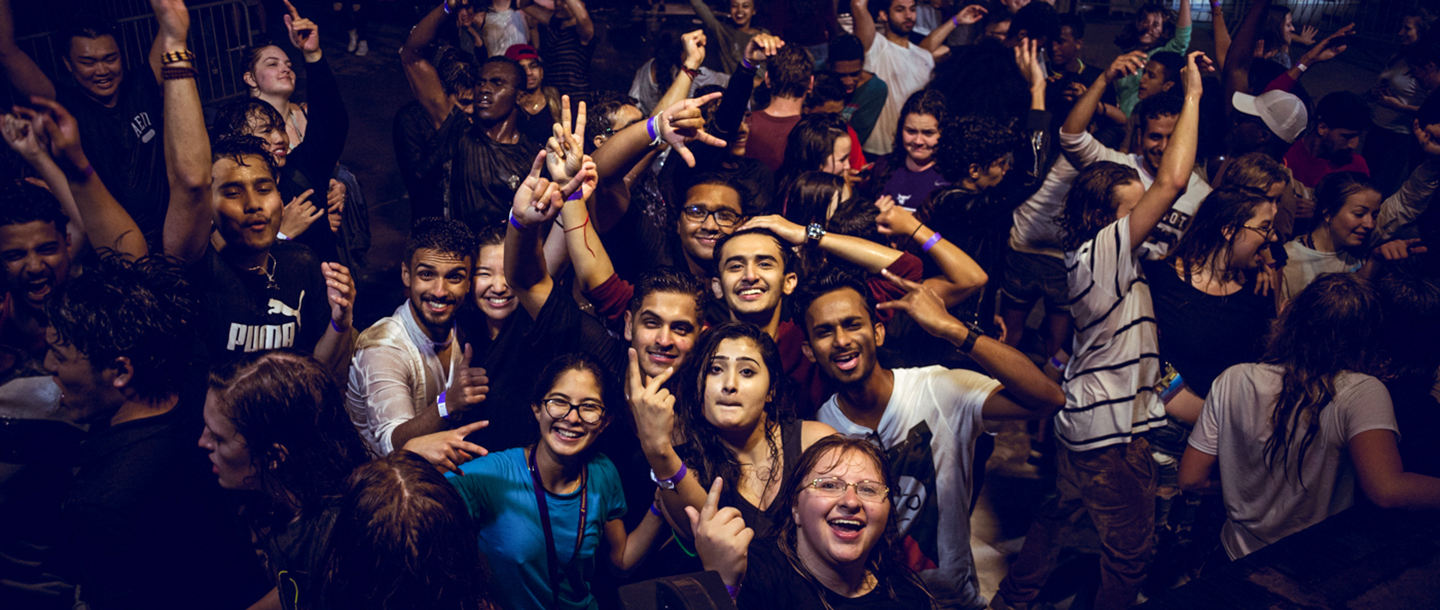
[584, 26]
[1242, 53]
[677, 125]
[1079, 119]
[537, 203]
[970, 15]
[187, 146]
[1222, 31]
[1176, 165]
[329, 122]
[19, 68]
[864, 23]
[23, 137]
[962, 276]
[424, 80]
[694, 44]
[863, 253]
[1026, 393]
[107, 224]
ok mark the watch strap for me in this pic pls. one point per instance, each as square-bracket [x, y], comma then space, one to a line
[971, 337]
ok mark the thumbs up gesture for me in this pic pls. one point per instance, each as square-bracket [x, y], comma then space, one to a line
[468, 387]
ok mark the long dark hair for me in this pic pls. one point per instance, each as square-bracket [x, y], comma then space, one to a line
[403, 539]
[1331, 326]
[922, 102]
[822, 457]
[1217, 225]
[1090, 204]
[713, 459]
[301, 441]
[811, 142]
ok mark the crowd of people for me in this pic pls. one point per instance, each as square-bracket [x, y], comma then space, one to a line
[760, 315]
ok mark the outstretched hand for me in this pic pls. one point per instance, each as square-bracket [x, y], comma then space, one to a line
[304, 34]
[448, 449]
[682, 122]
[722, 539]
[340, 289]
[1328, 48]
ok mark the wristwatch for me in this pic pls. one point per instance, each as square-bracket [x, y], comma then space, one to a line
[670, 483]
[971, 337]
[814, 232]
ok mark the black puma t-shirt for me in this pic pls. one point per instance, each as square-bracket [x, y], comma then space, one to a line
[240, 313]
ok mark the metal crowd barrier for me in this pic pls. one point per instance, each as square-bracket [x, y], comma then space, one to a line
[220, 32]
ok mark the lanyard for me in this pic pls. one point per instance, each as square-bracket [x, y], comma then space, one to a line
[553, 556]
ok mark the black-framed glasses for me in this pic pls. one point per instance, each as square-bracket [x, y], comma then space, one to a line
[698, 214]
[834, 487]
[1266, 233]
[590, 412]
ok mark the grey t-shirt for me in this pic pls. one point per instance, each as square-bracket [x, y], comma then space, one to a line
[1264, 503]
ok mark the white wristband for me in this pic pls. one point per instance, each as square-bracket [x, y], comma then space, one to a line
[1301, 67]
[281, 235]
[444, 414]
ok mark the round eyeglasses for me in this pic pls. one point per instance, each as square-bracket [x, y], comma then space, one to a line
[698, 214]
[590, 412]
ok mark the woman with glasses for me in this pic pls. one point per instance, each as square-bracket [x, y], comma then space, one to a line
[1209, 317]
[836, 548]
[542, 510]
[733, 410]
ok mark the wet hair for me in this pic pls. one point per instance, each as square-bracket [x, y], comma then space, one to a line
[972, 140]
[710, 456]
[1205, 243]
[140, 310]
[457, 72]
[1090, 204]
[294, 423]
[1252, 170]
[884, 559]
[846, 47]
[810, 144]
[25, 203]
[1076, 23]
[832, 279]
[403, 539]
[84, 25]
[1129, 37]
[444, 235]
[239, 147]
[787, 257]
[1038, 20]
[669, 280]
[1331, 326]
[234, 118]
[599, 118]
[789, 71]
[807, 197]
[828, 88]
[1334, 189]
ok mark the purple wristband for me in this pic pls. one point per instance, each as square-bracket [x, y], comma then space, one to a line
[445, 4]
[745, 63]
[516, 223]
[654, 510]
[930, 243]
[650, 127]
[335, 326]
[577, 195]
[733, 591]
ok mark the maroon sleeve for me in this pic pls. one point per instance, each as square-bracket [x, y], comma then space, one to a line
[1283, 82]
[908, 266]
[611, 298]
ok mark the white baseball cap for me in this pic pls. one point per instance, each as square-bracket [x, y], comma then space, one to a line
[1281, 111]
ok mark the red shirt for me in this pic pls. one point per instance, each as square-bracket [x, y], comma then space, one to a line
[768, 135]
[1309, 169]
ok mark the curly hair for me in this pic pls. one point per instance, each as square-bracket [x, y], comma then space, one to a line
[140, 310]
[403, 539]
[235, 118]
[26, 203]
[1331, 326]
[1090, 204]
[884, 559]
[711, 457]
[293, 420]
[1129, 37]
[444, 235]
[600, 117]
[972, 140]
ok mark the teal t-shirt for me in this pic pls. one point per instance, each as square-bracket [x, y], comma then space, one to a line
[865, 105]
[1127, 90]
[501, 497]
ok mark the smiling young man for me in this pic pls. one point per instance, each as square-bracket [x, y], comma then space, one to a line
[1329, 146]
[866, 92]
[409, 374]
[931, 416]
[118, 112]
[142, 524]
